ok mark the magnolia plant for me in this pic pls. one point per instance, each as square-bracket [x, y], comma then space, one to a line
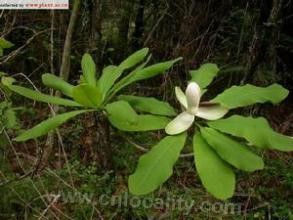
[98, 95]
[220, 145]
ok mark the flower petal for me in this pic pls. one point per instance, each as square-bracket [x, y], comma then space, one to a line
[213, 112]
[181, 123]
[181, 97]
[193, 97]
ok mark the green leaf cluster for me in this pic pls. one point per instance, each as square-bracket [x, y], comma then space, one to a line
[219, 147]
[96, 94]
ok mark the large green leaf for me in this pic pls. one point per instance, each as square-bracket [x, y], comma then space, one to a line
[156, 166]
[87, 95]
[89, 69]
[145, 73]
[240, 96]
[233, 152]
[255, 130]
[57, 83]
[149, 105]
[122, 116]
[205, 74]
[47, 125]
[149, 123]
[2, 74]
[134, 59]
[5, 44]
[215, 174]
[112, 73]
[109, 76]
[38, 96]
[152, 70]
[3, 83]
[6, 80]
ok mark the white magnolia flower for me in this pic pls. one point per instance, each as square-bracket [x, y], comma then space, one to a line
[191, 103]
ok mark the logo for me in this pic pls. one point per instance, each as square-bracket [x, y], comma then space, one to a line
[34, 4]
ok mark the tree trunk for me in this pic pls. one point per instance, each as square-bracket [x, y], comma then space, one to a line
[265, 40]
[139, 26]
[95, 30]
[123, 26]
[65, 65]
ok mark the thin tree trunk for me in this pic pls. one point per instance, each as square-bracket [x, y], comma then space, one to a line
[65, 65]
[95, 31]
